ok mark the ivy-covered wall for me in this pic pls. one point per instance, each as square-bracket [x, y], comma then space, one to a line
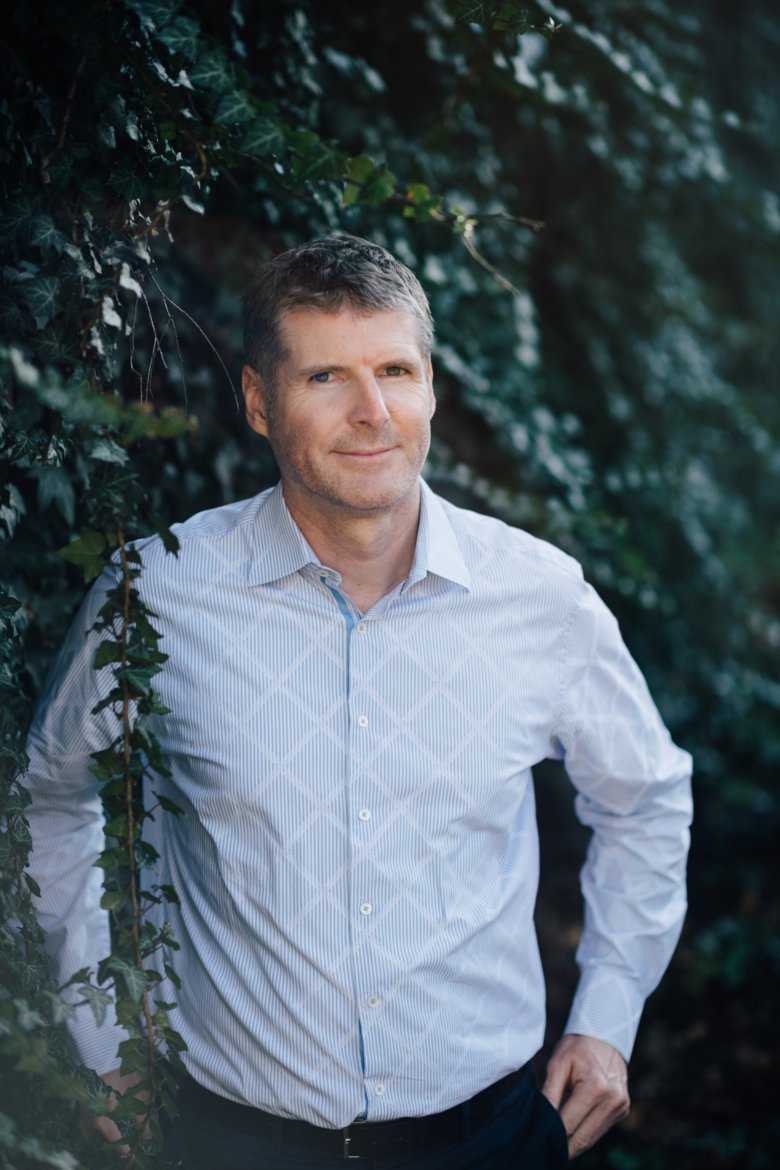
[589, 193]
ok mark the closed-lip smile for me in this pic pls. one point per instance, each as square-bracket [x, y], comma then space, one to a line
[366, 454]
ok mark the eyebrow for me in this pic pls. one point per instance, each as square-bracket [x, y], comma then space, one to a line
[332, 367]
[306, 371]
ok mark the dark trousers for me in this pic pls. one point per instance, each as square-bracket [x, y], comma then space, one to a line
[511, 1126]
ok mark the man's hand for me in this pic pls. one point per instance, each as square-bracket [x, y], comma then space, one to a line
[587, 1081]
[101, 1125]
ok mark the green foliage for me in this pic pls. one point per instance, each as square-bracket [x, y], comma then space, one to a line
[596, 221]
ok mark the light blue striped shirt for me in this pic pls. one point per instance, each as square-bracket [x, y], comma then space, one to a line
[357, 861]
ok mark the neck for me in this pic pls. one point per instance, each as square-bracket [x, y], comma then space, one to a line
[372, 551]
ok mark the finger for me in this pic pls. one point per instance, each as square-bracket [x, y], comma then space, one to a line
[588, 1116]
[556, 1082]
[578, 1106]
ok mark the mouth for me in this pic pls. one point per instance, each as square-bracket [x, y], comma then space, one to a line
[367, 454]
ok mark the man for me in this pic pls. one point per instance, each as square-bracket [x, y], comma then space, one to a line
[361, 677]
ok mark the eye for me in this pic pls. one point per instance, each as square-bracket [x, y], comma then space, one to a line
[322, 378]
[395, 371]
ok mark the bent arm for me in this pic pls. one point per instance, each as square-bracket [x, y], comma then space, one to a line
[633, 788]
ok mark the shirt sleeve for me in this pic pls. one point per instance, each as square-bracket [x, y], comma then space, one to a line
[66, 822]
[633, 792]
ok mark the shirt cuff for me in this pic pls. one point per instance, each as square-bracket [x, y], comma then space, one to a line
[607, 1005]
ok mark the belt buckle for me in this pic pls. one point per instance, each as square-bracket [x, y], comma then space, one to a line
[347, 1140]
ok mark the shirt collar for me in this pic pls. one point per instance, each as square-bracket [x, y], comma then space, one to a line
[437, 549]
[280, 548]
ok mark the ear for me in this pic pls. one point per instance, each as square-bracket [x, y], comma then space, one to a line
[432, 409]
[253, 387]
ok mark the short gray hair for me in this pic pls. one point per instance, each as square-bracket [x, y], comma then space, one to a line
[328, 274]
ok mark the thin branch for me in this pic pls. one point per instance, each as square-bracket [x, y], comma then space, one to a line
[203, 334]
[471, 248]
[172, 323]
[156, 348]
[133, 367]
[536, 225]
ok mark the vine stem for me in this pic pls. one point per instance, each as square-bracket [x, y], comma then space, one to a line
[132, 830]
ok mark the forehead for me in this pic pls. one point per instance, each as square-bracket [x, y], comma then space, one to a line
[348, 335]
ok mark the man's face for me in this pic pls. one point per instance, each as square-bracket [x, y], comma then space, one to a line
[352, 409]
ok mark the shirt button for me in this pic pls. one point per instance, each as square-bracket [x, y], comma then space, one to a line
[363, 721]
[373, 1001]
[379, 1090]
[366, 908]
[361, 627]
[364, 814]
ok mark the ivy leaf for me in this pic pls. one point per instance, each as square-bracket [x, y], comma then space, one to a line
[111, 858]
[358, 170]
[20, 832]
[126, 180]
[421, 205]
[133, 978]
[264, 137]
[41, 295]
[155, 14]
[55, 488]
[105, 763]
[46, 235]
[18, 218]
[366, 182]
[107, 451]
[314, 159]
[235, 107]
[138, 678]
[87, 552]
[113, 900]
[17, 801]
[172, 975]
[172, 807]
[105, 653]
[11, 513]
[169, 539]
[8, 605]
[180, 36]
[212, 71]
[99, 1000]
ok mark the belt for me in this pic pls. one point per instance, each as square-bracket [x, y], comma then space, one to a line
[360, 1139]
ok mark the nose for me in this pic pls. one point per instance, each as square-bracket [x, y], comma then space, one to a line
[368, 403]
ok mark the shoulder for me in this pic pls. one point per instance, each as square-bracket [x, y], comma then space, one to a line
[217, 536]
[491, 547]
